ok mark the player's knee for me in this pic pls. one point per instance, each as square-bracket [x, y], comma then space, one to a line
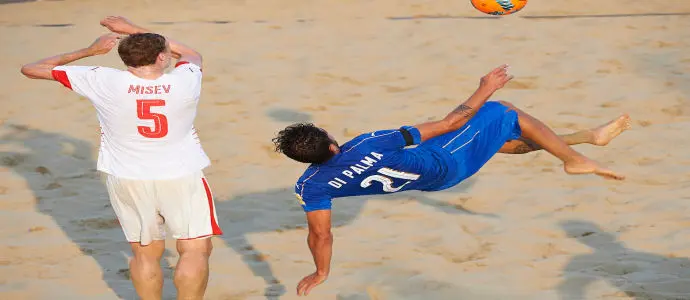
[151, 253]
[145, 264]
[191, 264]
[195, 247]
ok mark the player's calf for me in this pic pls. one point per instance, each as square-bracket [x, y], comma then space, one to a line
[145, 270]
[191, 272]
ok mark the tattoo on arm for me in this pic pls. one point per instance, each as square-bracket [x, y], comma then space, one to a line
[465, 110]
[525, 146]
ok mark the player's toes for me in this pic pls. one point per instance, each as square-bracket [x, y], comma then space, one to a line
[625, 119]
[608, 174]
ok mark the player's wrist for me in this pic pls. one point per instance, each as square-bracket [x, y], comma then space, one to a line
[88, 51]
[138, 29]
[484, 90]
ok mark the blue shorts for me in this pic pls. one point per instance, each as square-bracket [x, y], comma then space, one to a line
[470, 147]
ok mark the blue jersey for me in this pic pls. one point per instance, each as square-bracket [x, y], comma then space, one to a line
[381, 162]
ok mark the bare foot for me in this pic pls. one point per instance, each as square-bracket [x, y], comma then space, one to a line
[587, 166]
[607, 132]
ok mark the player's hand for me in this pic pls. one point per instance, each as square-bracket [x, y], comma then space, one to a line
[120, 25]
[496, 79]
[104, 44]
[309, 282]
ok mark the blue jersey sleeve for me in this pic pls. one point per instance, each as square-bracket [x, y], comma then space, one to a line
[392, 139]
[311, 197]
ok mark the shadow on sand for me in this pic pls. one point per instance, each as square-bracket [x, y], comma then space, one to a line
[60, 171]
[640, 275]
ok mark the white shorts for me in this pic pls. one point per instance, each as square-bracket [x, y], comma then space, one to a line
[145, 207]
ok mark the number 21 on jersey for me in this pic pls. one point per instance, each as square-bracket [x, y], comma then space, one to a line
[160, 122]
[386, 180]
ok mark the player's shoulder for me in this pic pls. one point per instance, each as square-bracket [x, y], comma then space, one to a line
[186, 68]
[312, 180]
[184, 63]
[88, 69]
[309, 173]
[365, 141]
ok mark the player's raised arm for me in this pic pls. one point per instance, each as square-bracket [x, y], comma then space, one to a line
[491, 82]
[320, 242]
[43, 68]
[180, 51]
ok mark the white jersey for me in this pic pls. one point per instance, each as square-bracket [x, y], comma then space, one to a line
[147, 126]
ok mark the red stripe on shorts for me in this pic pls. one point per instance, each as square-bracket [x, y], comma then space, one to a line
[214, 225]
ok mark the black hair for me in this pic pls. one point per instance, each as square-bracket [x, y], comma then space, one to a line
[305, 143]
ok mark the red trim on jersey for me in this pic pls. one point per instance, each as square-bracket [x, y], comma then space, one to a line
[182, 62]
[61, 77]
[214, 224]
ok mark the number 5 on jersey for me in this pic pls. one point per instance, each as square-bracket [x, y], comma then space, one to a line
[387, 181]
[160, 122]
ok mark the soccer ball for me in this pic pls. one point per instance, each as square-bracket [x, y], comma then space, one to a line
[499, 7]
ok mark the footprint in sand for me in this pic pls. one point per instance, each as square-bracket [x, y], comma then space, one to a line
[326, 77]
[13, 160]
[97, 223]
[52, 186]
[647, 161]
[481, 253]
[396, 89]
[288, 115]
[550, 250]
[573, 85]
[644, 123]
[43, 170]
[609, 104]
[674, 111]
[610, 66]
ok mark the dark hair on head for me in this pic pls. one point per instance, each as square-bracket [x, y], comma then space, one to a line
[141, 49]
[305, 143]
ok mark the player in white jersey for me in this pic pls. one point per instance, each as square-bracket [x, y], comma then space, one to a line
[150, 154]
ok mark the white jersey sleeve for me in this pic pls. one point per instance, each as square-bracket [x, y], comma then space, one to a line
[85, 80]
[190, 74]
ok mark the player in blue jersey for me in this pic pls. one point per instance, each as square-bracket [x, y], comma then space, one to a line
[447, 152]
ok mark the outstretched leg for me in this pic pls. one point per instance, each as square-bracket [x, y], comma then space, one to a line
[599, 136]
[574, 163]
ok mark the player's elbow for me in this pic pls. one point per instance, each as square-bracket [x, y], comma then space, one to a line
[198, 58]
[448, 124]
[198, 55]
[29, 71]
[35, 71]
[192, 56]
[454, 122]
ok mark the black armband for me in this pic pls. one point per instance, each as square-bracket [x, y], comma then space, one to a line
[409, 140]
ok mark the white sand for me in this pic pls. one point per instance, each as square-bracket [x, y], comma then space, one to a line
[533, 232]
